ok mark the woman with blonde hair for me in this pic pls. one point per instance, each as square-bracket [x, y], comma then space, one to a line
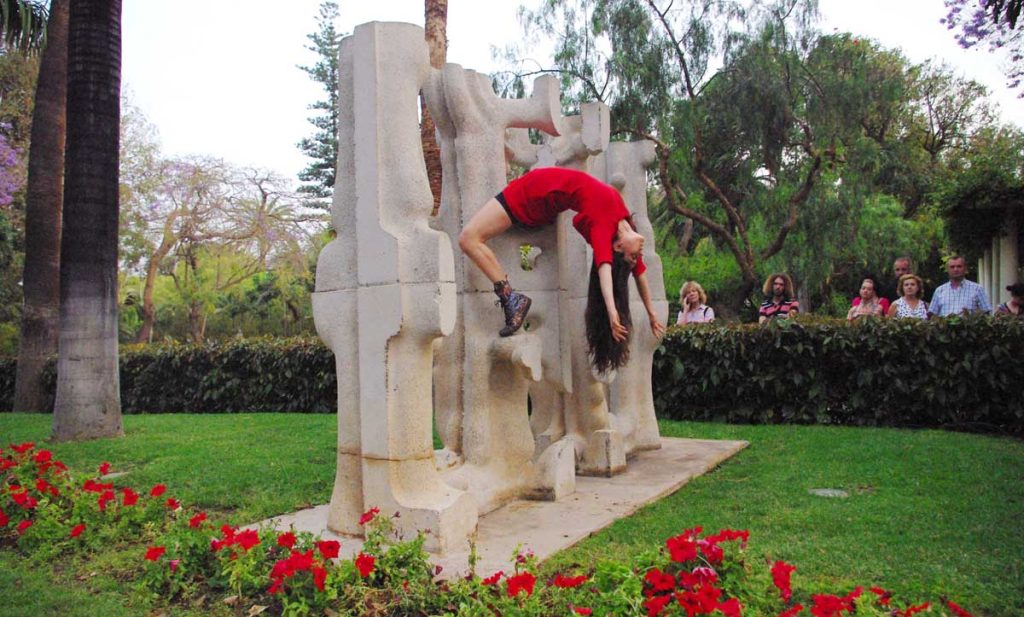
[910, 289]
[693, 305]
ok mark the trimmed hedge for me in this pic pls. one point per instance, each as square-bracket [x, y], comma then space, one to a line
[252, 375]
[965, 373]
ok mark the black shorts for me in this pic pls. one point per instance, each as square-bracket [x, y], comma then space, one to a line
[515, 221]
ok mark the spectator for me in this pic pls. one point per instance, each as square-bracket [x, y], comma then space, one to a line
[911, 301]
[781, 302]
[870, 304]
[693, 304]
[1015, 307]
[901, 266]
[958, 295]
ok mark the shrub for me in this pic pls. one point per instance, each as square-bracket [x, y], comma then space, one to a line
[250, 375]
[962, 372]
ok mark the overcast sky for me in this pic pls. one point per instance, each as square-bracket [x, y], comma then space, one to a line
[224, 81]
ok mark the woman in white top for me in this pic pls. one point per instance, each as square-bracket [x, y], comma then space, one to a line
[692, 300]
[910, 303]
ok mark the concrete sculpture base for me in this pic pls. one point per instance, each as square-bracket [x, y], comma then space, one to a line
[546, 527]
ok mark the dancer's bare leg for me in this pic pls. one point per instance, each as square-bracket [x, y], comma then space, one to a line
[488, 222]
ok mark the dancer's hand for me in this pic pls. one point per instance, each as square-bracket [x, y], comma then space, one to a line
[619, 331]
[657, 328]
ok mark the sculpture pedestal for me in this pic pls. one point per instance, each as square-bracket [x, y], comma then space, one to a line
[546, 527]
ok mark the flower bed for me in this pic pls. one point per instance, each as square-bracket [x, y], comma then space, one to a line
[183, 554]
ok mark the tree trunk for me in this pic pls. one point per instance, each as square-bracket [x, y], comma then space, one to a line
[40, 322]
[148, 308]
[88, 402]
[196, 322]
[435, 27]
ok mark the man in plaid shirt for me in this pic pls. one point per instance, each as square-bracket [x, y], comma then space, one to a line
[958, 295]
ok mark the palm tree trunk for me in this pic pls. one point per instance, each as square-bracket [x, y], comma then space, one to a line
[435, 28]
[88, 402]
[40, 322]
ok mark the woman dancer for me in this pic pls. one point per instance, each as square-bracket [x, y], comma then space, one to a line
[535, 200]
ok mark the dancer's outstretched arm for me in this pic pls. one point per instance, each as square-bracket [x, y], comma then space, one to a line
[604, 275]
[657, 328]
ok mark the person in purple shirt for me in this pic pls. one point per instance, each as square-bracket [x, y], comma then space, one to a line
[958, 295]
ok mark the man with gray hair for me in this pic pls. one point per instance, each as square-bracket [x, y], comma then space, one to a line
[958, 295]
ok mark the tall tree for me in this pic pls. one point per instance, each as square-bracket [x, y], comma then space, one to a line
[23, 23]
[322, 146]
[737, 152]
[88, 402]
[435, 19]
[40, 324]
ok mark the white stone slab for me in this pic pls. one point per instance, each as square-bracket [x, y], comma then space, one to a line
[546, 527]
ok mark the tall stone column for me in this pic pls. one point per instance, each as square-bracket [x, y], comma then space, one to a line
[632, 398]
[481, 380]
[385, 292]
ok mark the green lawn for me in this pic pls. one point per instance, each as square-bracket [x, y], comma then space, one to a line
[929, 512]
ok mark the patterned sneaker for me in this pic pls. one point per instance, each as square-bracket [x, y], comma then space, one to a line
[516, 306]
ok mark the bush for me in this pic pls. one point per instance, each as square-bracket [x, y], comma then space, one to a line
[252, 375]
[962, 372]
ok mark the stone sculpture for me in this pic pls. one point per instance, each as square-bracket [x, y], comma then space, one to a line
[399, 308]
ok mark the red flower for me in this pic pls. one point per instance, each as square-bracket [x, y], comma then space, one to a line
[699, 576]
[883, 596]
[781, 572]
[726, 535]
[833, 606]
[104, 468]
[95, 487]
[565, 582]
[247, 538]
[690, 602]
[364, 563]
[23, 448]
[328, 548]
[301, 561]
[712, 551]
[656, 604]
[319, 576]
[23, 526]
[493, 579]
[276, 586]
[42, 456]
[684, 546]
[6, 463]
[524, 581]
[731, 608]
[129, 497]
[792, 611]
[173, 504]
[77, 530]
[286, 539]
[173, 564]
[157, 490]
[196, 521]
[659, 581]
[153, 553]
[369, 515]
[24, 500]
[3, 519]
[909, 611]
[580, 610]
[957, 609]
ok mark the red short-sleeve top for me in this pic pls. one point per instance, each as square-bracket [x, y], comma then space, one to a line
[537, 197]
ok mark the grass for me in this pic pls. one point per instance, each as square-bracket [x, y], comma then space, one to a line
[929, 512]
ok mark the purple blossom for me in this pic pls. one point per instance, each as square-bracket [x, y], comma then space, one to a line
[12, 178]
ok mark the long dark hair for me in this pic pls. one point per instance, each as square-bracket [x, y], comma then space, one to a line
[605, 352]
